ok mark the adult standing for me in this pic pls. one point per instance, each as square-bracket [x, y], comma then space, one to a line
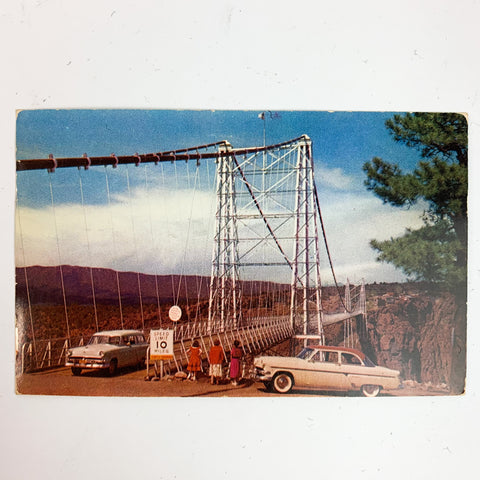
[216, 358]
[235, 357]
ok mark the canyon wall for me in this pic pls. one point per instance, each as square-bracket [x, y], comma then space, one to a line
[418, 333]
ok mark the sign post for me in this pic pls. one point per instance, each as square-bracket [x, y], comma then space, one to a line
[161, 347]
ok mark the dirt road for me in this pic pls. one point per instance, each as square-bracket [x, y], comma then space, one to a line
[132, 383]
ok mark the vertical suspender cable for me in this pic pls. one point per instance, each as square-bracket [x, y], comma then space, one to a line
[26, 282]
[59, 257]
[174, 297]
[114, 248]
[135, 249]
[186, 244]
[88, 250]
[211, 186]
[167, 211]
[154, 244]
[186, 241]
[201, 280]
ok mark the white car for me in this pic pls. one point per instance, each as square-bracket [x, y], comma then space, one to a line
[109, 350]
[325, 368]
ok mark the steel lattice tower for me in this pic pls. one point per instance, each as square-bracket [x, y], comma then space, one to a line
[267, 217]
[224, 304]
[306, 305]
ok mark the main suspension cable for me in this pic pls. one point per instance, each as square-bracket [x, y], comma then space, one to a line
[174, 156]
[317, 203]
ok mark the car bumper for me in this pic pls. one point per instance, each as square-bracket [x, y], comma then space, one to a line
[262, 376]
[87, 363]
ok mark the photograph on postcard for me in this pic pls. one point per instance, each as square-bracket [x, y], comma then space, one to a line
[240, 253]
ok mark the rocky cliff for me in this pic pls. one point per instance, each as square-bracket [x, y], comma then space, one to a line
[413, 332]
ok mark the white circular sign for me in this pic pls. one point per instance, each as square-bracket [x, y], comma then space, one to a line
[175, 313]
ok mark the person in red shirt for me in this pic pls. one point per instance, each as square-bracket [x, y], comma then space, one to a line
[216, 358]
[235, 356]
[194, 361]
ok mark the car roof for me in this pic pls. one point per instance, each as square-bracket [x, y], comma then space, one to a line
[119, 332]
[339, 349]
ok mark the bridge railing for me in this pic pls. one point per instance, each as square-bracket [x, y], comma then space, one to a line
[45, 354]
[255, 336]
[254, 333]
[202, 328]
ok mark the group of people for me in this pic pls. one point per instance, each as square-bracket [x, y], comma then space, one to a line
[216, 357]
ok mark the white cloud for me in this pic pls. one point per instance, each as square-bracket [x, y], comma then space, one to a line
[333, 178]
[351, 221]
[154, 232]
[171, 231]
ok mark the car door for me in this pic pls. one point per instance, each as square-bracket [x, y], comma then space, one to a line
[140, 348]
[135, 349]
[355, 371]
[325, 371]
[125, 352]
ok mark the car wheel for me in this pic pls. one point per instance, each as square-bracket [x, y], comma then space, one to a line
[112, 368]
[282, 382]
[370, 390]
[76, 371]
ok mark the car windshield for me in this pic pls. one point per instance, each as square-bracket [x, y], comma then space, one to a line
[305, 353]
[98, 339]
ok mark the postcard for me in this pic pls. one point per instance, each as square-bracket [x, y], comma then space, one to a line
[247, 253]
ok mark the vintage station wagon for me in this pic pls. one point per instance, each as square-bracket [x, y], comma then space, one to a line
[109, 350]
[325, 368]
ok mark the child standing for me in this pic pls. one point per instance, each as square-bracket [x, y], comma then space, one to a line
[194, 361]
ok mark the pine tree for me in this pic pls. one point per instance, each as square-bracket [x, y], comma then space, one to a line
[436, 252]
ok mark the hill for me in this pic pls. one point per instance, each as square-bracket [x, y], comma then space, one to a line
[410, 326]
[45, 286]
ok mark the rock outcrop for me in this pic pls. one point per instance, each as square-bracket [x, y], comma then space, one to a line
[412, 333]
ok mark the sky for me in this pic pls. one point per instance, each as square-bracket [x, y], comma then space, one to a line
[160, 219]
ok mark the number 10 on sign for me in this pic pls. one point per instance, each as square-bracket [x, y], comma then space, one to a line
[161, 344]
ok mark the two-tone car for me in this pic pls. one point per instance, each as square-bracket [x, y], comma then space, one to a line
[109, 351]
[325, 368]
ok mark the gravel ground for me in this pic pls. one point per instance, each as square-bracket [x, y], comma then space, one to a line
[132, 383]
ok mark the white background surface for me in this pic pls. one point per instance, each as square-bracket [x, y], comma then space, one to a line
[344, 55]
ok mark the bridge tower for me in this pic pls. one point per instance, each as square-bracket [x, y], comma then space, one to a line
[306, 306]
[225, 293]
[267, 218]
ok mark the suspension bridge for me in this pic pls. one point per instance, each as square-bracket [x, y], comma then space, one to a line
[264, 285]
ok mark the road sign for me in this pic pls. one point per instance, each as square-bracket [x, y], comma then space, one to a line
[175, 313]
[161, 344]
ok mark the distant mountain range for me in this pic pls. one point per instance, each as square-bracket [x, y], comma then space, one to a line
[45, 285]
